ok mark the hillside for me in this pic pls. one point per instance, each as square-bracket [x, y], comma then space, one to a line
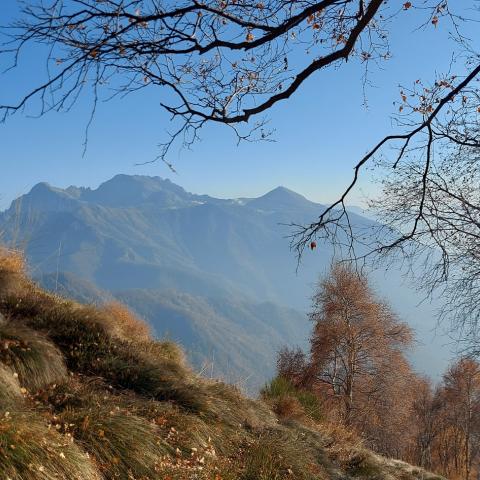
[86, 394]
[149, 242]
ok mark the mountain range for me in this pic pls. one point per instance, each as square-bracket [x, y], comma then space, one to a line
[215, 275]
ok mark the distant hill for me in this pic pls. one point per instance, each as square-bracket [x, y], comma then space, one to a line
[215, 274]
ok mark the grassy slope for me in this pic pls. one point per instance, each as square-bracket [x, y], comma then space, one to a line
[80, 400]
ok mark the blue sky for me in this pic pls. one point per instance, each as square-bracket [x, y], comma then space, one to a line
[320, 132]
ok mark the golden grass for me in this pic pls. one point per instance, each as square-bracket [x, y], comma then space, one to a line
[12, 261]
[124, 324]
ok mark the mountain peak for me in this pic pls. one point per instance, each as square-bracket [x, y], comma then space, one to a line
[44, 188]
[280, 197]
[284, 192]
[130, 190]
[43, 197]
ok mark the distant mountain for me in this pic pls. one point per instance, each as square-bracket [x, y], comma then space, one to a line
[69, 285]
[232, 338]
[217, 274]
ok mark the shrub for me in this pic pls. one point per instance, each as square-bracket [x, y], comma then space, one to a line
[12, 270]
[35, 360]
[279, 393]
[11, 261]
[288, 407]
[122, 323]
[30, 450]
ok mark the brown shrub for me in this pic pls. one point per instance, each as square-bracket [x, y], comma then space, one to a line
[122, 323]
[12, 271]
[288, 407]
[11, 261]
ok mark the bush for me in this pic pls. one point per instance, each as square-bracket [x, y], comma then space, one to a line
[288, 407]
[279, 394]
[11, 262]
[122, 323]
[35, 360]
[12, 270]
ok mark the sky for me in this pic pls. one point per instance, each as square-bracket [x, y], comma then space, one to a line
[320, 132]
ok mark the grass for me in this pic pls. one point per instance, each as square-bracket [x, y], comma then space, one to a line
[83, 336]
[122, 445]
[35, 360]
[362, 464]
[9, 388]
[279, 455]
[29, 450]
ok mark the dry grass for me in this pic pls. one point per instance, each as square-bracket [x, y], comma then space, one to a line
[122, 323]
[9, 388]
[280, 454]
[29, 450]
[12, 261]
[82, 335]
[123, 445]
[35, 360]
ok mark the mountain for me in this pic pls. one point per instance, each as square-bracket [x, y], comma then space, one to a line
[217, 274]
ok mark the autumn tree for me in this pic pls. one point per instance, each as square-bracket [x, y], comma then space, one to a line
[462, 398]
[357, 342]
[446, 421]
[427, 410]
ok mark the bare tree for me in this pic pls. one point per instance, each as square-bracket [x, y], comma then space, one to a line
[444, 241]
[213, 61]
